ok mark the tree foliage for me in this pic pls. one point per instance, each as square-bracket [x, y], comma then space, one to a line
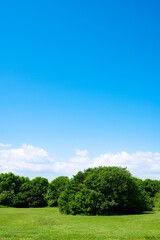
[103, 191]
[38, 189]
[151, 187]
[18, 191]
[157, 200]
[9, 187]
[55, 188]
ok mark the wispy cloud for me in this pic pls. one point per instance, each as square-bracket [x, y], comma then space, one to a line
[140, 164]
[81, 153]
[26, 158]
[3, 145]
[32, 161]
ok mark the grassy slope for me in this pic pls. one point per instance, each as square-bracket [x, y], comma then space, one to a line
[48, 223]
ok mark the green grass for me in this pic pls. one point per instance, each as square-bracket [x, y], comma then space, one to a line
[49, 224]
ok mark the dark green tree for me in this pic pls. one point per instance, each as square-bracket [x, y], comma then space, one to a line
[151, 186]
[157, 200]
[21, 192]
[55, 188]
[22, 197]
[37, 191]
[9, 188]
[103, 191]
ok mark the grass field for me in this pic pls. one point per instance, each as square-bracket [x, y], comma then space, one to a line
[48, 223]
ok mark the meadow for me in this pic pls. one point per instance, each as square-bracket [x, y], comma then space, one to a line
[49, 224]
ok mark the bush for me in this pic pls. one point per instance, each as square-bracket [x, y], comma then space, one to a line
[151, 187]
[10, 185]
[55, 188]
[37, 191]
[157, 200]
[18, 191]
[103, 191]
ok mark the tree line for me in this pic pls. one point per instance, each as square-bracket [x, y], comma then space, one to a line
[16, 191]
[95, 191]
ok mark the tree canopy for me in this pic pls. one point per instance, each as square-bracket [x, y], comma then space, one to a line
[18, 191]
[55, 188]
[103, 191]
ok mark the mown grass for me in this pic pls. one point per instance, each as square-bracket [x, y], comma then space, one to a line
[49, 224]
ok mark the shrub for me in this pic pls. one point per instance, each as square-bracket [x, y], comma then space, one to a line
[37, 191]
[55, 188]
[157, 200]
[10, 185]
[103, 191]
[151, 187]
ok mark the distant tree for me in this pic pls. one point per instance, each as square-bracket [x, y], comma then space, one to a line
[22, 197]
[6, 198]
[151, 186]
[21, 192]
[55, 188]
[103, 191]
[157, 200]
[37, 191]
[9, 187]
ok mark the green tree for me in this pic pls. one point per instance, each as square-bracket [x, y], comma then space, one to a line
[151, 186]
[55, 188]
[22, 197]
[37, 190]
[157, 200]
[103, 191]
[9, 188]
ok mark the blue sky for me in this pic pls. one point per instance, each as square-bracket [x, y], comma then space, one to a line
[80, 75]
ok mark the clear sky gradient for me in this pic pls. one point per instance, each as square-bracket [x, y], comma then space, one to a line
[80, 75]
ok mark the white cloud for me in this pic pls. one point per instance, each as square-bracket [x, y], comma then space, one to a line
[77, 163]
[140, 164]
[3, 145]
[29, 161]
[27, 158]
[81, 153]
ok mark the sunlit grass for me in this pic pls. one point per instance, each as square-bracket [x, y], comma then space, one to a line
[48, 223]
